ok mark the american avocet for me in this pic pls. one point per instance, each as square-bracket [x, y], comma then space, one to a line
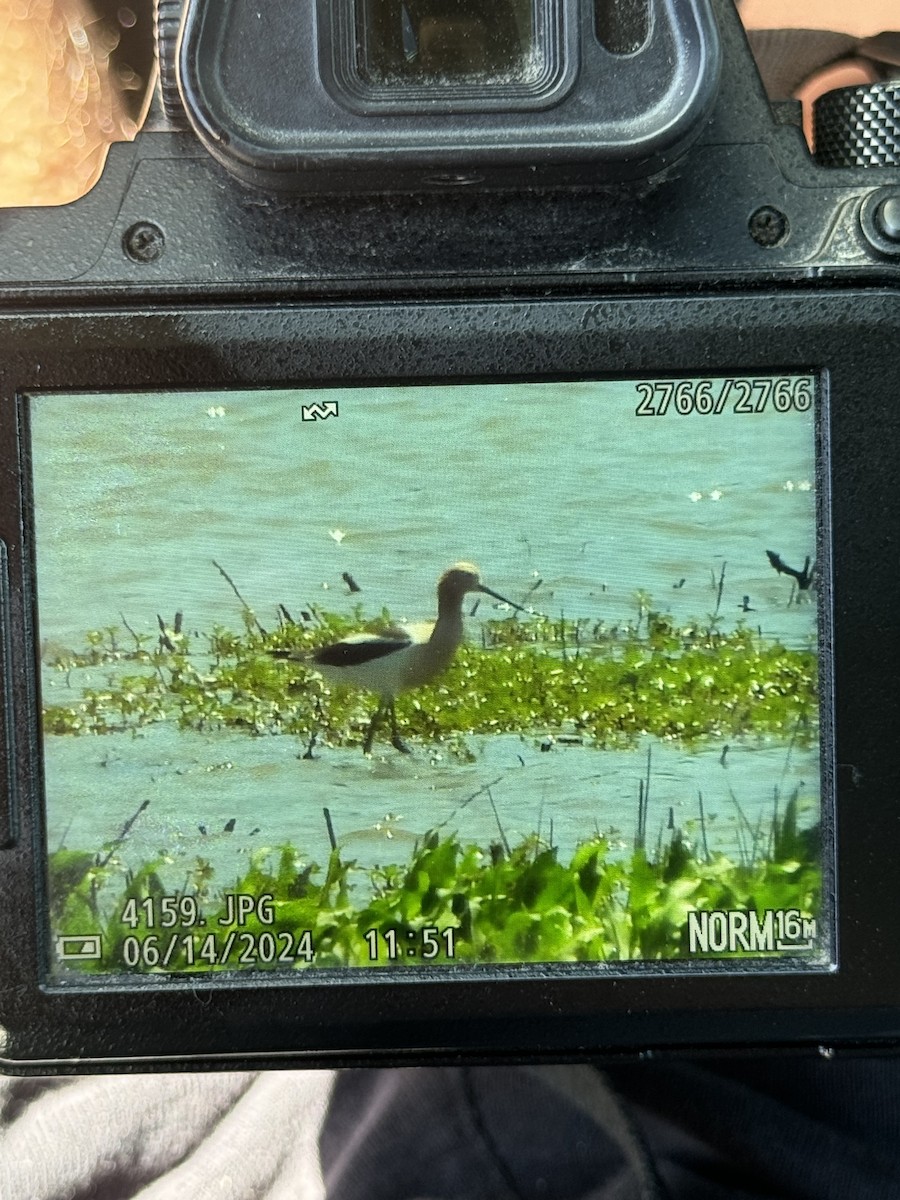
[405, 657]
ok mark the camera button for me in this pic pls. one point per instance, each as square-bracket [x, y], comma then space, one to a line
[887, 218]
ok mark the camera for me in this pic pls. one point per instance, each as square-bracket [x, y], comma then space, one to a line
[446, 551]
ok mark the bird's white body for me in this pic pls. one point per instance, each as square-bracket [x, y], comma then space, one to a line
[408, 657]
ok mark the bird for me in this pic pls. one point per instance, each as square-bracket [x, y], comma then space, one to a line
[805, 577]
[403, 657]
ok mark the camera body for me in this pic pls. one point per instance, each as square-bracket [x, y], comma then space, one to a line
[362, 205]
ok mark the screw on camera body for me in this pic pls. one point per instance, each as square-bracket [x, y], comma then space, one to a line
[768, 226]
[144, 242]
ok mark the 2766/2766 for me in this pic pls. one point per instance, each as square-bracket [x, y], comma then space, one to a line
[709, 397]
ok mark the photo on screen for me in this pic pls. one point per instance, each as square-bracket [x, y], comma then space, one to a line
[470, 675]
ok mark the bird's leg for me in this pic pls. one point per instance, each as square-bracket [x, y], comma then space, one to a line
[314, 735]
[373, 725]
[396, 741]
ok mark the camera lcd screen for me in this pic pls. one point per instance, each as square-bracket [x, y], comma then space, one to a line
[447, 677]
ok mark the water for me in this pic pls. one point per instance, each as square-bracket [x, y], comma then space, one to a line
[560, 483]
[381, 807]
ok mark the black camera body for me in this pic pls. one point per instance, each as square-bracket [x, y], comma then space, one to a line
[581, 237]
[393, 97]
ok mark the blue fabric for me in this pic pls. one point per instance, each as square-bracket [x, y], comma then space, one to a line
[778, 1128]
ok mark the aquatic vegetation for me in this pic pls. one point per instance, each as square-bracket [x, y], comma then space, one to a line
[603, 684]
[449, 903]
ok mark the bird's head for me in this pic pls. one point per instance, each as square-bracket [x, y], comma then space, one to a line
[464, 577]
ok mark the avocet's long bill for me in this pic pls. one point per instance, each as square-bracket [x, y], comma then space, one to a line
[503, 600]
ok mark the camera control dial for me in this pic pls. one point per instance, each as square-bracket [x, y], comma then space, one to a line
[859, 126]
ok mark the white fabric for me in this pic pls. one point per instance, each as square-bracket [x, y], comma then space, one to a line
[214, 1136]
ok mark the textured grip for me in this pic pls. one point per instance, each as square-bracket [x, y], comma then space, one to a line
[168, 24]
[859, 126]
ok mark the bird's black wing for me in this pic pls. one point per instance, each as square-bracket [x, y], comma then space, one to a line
[354, 652]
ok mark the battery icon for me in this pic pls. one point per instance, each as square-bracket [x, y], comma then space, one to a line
[70, 946]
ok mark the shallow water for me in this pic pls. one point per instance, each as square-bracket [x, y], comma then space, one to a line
[136, 495]
[381, 806]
